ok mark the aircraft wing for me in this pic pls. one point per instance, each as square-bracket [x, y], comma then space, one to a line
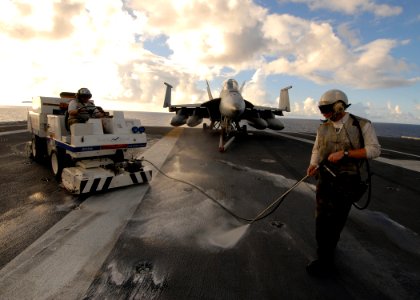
[193, 114]
[186, 107]
[274, 110]
[262, 117]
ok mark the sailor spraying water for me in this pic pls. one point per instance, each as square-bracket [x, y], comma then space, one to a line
[342, 143]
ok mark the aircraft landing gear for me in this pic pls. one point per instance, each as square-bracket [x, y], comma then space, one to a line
[226, 136]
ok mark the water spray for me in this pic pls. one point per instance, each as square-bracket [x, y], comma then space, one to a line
[229, 238]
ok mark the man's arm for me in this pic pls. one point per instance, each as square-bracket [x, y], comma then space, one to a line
[372, 146]
[371, 150]
[313, 165]
[72, 109]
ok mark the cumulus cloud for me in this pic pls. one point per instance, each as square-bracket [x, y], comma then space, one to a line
[214, 33]
[97, 50]
[313, 50]
[24, 20]
[305, 108]
[310, 106]
[348, 34]
[62, 45]
[352, 7]
[394, 110]
[256, 89]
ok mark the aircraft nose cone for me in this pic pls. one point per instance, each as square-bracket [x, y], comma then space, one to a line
[233, 106]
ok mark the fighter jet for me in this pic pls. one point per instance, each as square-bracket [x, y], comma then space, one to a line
[227, 111]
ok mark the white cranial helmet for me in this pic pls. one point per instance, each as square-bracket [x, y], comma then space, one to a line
[332, 96]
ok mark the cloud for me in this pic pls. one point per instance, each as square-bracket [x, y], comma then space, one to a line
[55, 46]
[24, 20]
[303, 48]
[94, 51]
[306, 108]
[351, 7]
[312, 50]
[396, 114]
[213, 33]
[256, 89]
[394, 110]
[348, 34]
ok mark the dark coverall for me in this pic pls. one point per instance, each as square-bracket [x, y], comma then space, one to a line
[333, 203]
[335, 194]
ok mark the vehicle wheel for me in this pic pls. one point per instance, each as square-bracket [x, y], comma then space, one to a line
[57, 164]
[244, 129]
[205, 126]
[118, 156]
[38, 148]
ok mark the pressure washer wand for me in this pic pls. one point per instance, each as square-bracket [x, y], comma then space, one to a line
[278, 199]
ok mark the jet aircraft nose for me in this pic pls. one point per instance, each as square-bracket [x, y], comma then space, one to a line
[232, 105]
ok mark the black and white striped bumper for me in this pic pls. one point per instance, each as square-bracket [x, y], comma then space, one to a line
[81, 181]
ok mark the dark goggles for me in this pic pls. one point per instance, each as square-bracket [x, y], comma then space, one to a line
[84, 97]
[325, 109]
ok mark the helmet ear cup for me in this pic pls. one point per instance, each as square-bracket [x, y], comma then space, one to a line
[339, 107]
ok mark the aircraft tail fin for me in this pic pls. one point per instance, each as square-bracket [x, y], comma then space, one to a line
[284, 102]
[209, 91]
[168, 92]
[242, 87]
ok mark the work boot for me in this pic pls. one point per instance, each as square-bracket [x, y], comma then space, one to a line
[320, 268]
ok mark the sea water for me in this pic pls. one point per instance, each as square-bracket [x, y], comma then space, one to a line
[19, 113]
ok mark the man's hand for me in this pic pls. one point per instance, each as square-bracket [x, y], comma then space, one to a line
[336, 156]
[312, 170]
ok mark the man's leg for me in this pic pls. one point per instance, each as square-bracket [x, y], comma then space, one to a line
[331, 216]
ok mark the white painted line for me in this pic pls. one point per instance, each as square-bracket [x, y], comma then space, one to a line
[413, 165]
[410, 137]
[13, 132]
[62, 263]
[399, 152]
[293, 137]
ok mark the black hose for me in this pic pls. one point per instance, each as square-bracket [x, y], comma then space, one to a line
[260, 216]
[201, 191]
[369, 183]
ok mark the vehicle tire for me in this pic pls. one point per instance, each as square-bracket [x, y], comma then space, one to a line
[205, 126]
[38, 148]
[57, 164]
[118, 156]
[244, 129]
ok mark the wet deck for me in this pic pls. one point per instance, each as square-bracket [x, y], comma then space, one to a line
[166, 244]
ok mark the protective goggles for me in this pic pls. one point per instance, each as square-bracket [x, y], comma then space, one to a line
[84, 97]
[325, 109]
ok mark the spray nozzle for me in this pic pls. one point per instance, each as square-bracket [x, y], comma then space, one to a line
[323, 164]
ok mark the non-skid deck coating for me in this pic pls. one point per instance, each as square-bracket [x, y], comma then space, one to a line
[167, 249]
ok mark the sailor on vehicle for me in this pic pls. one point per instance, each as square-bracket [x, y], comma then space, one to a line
[82, 108]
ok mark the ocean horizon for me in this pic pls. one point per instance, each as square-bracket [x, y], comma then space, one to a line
[162, 119]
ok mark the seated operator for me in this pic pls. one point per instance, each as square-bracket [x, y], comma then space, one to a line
[82, 108]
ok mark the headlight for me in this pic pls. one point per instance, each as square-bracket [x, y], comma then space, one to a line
[140, 129]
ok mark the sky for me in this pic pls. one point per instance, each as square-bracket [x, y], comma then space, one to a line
[123, 51]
